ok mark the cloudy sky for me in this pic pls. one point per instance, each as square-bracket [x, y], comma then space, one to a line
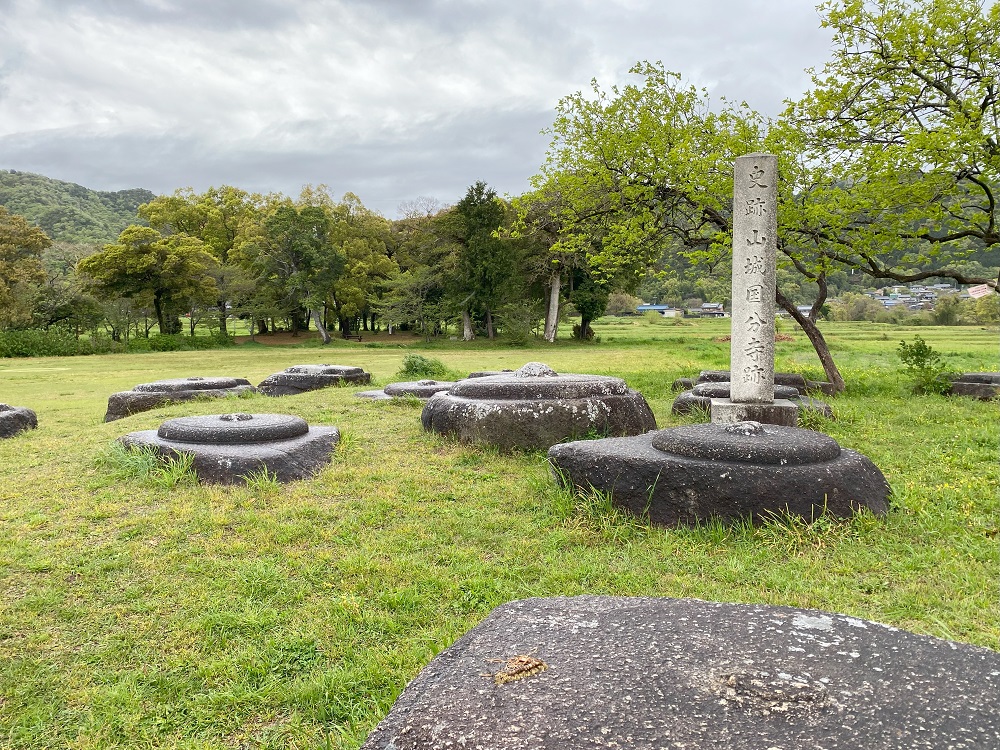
[389, 99]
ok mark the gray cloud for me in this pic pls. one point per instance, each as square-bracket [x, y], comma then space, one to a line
[389, 99]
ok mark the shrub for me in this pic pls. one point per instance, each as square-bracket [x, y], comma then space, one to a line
[929, 372]
[39, 343]
[416, 366]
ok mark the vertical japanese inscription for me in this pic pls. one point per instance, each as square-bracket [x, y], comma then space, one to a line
[754, 253]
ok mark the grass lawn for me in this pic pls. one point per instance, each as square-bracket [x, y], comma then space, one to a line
[140, 609]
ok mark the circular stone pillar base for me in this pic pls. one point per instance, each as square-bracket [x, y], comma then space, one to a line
[16, 419]
[226, 448]
[535, 407]
[147, 396]
[422, 389]
[691, 474]
[302, 378]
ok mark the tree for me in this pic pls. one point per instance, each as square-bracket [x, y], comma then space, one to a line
[172, 269]
[485, 274]
[901, 132]
[21, 270]
[221, 218]
[361, 235]
[62, 298]
[546, 257]
[294, 255]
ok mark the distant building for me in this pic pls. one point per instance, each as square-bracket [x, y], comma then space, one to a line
[713, 310]
[665, 310]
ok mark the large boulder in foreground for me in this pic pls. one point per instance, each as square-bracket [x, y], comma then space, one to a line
[302, 378]
[618, 672]
[16, 419]
[228, 448]
[147, 396]
[535, 407]
[747, 470]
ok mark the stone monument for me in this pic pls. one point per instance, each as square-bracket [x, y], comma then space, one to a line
[566, 673]
[755, 242]
[227, 447]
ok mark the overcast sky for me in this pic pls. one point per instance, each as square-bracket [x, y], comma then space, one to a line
[389, 99]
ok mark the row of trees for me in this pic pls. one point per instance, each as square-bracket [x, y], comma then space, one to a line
[888, 166]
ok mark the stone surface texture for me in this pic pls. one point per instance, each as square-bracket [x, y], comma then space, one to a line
[147, 396]
[16, 419]
[228, 447]
[534, 408]
[725, 472]
[302, 378]
[645, 673]
[779, 412]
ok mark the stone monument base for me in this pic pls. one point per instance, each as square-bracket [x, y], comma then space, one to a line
[780, 412]
[689, 475]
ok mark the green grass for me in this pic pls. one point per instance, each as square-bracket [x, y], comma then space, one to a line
[139, 609]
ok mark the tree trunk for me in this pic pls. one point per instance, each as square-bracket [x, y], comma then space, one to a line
[816, 339]
[318, 320]
[158, 308]
[468, 334]
[223, 330]
[490, 333]
[552, 312]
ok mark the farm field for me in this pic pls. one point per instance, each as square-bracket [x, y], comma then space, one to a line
[140, 609]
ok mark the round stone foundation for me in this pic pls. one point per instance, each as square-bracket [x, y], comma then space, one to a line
[790, 379]
[15, 420]
[984, 386]
[302, 378]
[422, 389]
[534, 408]
[701, 395]
[228, 447]
[147, 396]
[691, 474]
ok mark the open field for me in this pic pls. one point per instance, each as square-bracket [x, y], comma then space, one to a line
[138, 609]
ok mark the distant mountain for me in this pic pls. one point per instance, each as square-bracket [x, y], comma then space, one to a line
[69, 212]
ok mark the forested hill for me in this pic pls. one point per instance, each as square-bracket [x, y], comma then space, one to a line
[69, 212]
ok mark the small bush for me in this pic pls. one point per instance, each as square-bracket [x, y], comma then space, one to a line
[930, 374]
[416, 366]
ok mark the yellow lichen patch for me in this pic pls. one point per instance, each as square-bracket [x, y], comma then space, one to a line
[519, 667]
